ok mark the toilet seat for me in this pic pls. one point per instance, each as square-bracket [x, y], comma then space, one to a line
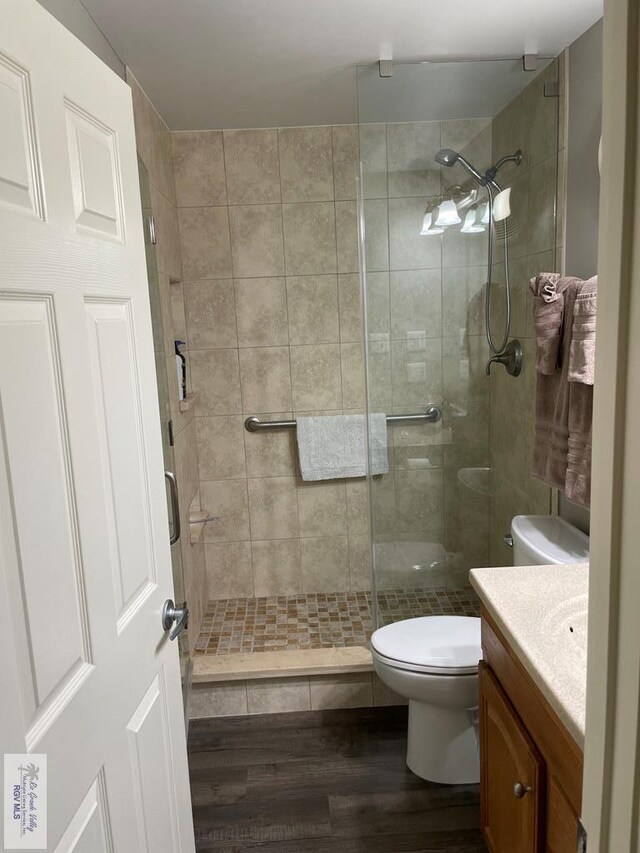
[436, 645]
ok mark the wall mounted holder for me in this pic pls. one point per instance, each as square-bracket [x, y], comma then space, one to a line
[510, 357]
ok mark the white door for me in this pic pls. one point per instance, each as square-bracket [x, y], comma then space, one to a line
[88, 675]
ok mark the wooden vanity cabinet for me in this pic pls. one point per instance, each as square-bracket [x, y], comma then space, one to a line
[531, 768]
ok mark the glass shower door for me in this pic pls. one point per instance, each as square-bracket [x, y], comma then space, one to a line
[165, 411]
[424, 268]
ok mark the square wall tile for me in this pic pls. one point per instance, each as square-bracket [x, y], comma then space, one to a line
[353, 381]
[373, 154]
[186, 465]
[322, 508]
[349, 298]
[177, 324]
[341, 691]
[542, 200]
[229, 569]
[253, 172]
[416, 304]
[167, 235]
[347, 236]
[306, 163]
[463, 250]
[407, 249]
[221, 449]
[228, 699]
[198, 163]
[360, 563]
[228, 501]
[211, 317]
[412, 148]
[420, 500]
[316, 377]
[204, 240]
[345, 160]
[278, 695]
[266, 379]
[463, 300]
[357, 507]
[273, 508]
[376, 240]
[256, 240]
[310, 238]
[276, 567]
[472, 138]
[276, 457]
[215, 376]
[261, 312]
[325, 564]
[377, 302]
[416, 371]
[312, 304]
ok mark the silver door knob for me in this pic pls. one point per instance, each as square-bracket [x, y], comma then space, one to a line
[520, 790]
[172, 614]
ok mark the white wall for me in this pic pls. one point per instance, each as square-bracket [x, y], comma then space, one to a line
[77, 20]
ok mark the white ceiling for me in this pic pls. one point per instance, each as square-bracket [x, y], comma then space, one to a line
[270, 63]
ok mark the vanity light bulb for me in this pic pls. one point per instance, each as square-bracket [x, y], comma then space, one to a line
[470, 226]
[427, 225]
[447, 214]
[482, 216]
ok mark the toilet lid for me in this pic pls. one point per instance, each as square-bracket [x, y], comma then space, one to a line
[439, 644]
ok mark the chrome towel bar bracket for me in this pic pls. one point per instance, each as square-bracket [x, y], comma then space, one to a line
[432, 415]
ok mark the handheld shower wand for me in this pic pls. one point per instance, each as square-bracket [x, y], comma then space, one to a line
[448, 157]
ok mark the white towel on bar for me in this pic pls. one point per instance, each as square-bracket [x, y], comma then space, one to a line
[331, 448]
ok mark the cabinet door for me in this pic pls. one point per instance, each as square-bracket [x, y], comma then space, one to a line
[512, 775]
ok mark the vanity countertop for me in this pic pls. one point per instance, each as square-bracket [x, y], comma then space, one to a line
[542, 613]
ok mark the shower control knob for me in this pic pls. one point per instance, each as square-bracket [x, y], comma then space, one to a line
[520, 790]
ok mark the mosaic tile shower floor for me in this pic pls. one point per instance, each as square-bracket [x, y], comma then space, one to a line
[318, 620]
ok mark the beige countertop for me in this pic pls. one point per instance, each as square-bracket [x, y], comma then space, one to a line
[542, 613]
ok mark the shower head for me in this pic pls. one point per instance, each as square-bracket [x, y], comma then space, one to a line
[449, 157]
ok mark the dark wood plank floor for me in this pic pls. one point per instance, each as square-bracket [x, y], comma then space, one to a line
[321, 781]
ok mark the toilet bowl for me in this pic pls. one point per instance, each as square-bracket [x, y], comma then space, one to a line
[433, 662]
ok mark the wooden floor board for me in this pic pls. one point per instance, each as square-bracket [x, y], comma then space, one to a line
[315, 782]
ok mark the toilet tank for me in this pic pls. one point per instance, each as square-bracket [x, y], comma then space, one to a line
[544, 539]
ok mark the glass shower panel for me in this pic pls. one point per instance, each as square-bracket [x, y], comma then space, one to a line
[158, 329]
[424, 302]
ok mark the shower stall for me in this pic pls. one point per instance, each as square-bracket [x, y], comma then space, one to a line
[457, 211]
[360, 249]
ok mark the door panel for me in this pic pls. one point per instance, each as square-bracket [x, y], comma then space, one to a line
[95, 174]
[36, 445]
[89, 676]
[511, 819]
[89, 830]
[151, 765]
[122, 454]
[20, 186]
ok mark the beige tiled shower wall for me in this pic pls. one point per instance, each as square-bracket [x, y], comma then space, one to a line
[529, 122]
[268, 234]
[426, 345]
[153, 141]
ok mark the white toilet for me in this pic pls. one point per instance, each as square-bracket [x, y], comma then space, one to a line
[433, 662]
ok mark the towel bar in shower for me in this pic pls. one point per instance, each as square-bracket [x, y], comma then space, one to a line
[431, 415]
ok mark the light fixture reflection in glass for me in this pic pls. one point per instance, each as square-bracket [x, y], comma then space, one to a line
[427, 225]
[447, 214]
[470, 226]
[482, 215]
